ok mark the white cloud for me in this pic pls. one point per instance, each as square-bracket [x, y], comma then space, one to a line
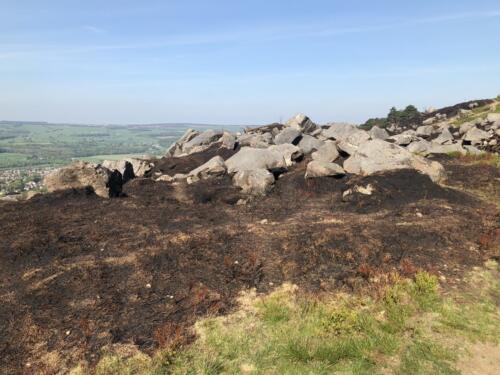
[94, 29]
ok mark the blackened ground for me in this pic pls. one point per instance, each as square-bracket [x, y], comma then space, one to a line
[78, 272]
[171, 166]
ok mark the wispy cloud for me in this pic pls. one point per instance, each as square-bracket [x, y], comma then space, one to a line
[266, 34]
[94, 29]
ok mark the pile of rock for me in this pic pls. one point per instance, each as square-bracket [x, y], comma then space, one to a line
[261, 155]
[106, 179]
[265, 153]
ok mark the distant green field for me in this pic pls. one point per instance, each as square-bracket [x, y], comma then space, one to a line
[7, 159]
[28, 144]
[101, 158]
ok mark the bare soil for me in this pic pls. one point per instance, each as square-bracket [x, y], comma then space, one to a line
[78, 273]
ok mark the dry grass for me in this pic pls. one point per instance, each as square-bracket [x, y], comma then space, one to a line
[412, 329]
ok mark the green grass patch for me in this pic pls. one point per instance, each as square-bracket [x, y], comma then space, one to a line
[475, 114]
[413, 329]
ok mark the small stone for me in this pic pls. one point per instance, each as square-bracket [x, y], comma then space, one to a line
[419, 214]
[148, 285]
[68, 332]
[264, 221]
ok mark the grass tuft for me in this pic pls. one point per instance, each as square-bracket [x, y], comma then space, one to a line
[412, 329]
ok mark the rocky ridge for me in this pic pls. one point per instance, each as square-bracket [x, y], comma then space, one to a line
[255, 158]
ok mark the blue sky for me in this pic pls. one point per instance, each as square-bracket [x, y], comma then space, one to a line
[242, 62]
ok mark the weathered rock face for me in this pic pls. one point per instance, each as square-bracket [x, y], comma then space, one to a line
[309, 144]
[377, 156]
[228, 141]
[288, 135]
[403, 139]
[249, 158]
[129, 167]
[301, 123]
[445, 137]
[86, 175]
[255, 140]
[176, 148]
[339, 131]
[378, 133]
[425, 131]
[465, 127]
[254, 182]
[327, 153]
[323, 169]
[289, 152]
[476, 136]
[123, 166]
[493, 118]
[202, 139]
[213, 168]
[352, 142]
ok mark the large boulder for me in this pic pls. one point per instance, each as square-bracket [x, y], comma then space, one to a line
[476, 136]
[378, 156]
[493, 118]
[125, 167]
[254, 182]
[101, 180]
[176, 148]
[212, 168]
[249, 158]
[425, 130]
[201, 141]
[129, 167]
[403, 139]
[301, 123]
[318, 168]
[378, 133]
[445, 137]
[290, 153]
[352, 142]
[327, 153]
[255, 140]
[465, 127]
[339, 131]
[228, 141]
[288, 135]
[309, 144]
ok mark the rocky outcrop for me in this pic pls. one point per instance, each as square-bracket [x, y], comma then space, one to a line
[79, 175]
[249, 158]
[129, 167]
[327, 152]
[213, 168]
[289, 152]
[254, 182]
[201, 141]
[378, 156]
[339, 131]
[318, 168]
[309, 144]
[378, 133]
[302, 123]
[268, 151]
